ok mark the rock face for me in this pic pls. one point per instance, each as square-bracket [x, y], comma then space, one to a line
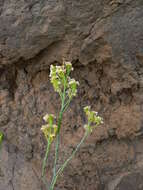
[103, 39]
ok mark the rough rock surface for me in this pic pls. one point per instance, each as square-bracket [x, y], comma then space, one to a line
[104, 41]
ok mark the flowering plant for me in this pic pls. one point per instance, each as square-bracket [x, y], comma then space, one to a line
[66, 87]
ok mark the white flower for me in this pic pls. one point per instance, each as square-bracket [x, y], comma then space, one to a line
[44, 127]
[69, 65]
[46, 117]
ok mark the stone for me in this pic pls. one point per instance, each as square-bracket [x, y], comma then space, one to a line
[129, 181]
[103, 40]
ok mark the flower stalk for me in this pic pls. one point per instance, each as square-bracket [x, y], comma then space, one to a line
[67, 161]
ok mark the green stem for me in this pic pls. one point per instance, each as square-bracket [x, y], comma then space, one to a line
[58, 132]
[62, 106]
[67, 161]
[46, 157]
[58, 138]
[67, 104]
[56, 154]
[45, 182]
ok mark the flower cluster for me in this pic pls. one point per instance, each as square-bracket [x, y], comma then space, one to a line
[49, 129]
[72, 87]
[59, 76]
[93, 119]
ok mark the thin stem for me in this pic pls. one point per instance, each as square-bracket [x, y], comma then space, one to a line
[62, 106]
[59, 126]
[56, 154]
[67, 104]
[45, 182]
[57, 144]
[46, 157]
[67, 161]
[61, 96]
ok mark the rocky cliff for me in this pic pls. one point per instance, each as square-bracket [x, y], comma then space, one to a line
[104, 41]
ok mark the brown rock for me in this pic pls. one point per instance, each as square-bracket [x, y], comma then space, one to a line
[103, 39]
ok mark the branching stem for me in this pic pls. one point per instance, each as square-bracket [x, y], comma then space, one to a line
[67, 161]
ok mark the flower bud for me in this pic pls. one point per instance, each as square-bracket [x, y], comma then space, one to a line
[86, 109]
[49, 118]
[46, 130]
[93, 119]
[68, 67]
[52, 71]
[72, 87]
[49, 131]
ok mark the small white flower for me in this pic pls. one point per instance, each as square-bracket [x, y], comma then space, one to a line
[51, 70]
[69, 65]
[102, 121]
[77, 83]
[46, 117]
[44, 127]
[96, 113]
[72, 81]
